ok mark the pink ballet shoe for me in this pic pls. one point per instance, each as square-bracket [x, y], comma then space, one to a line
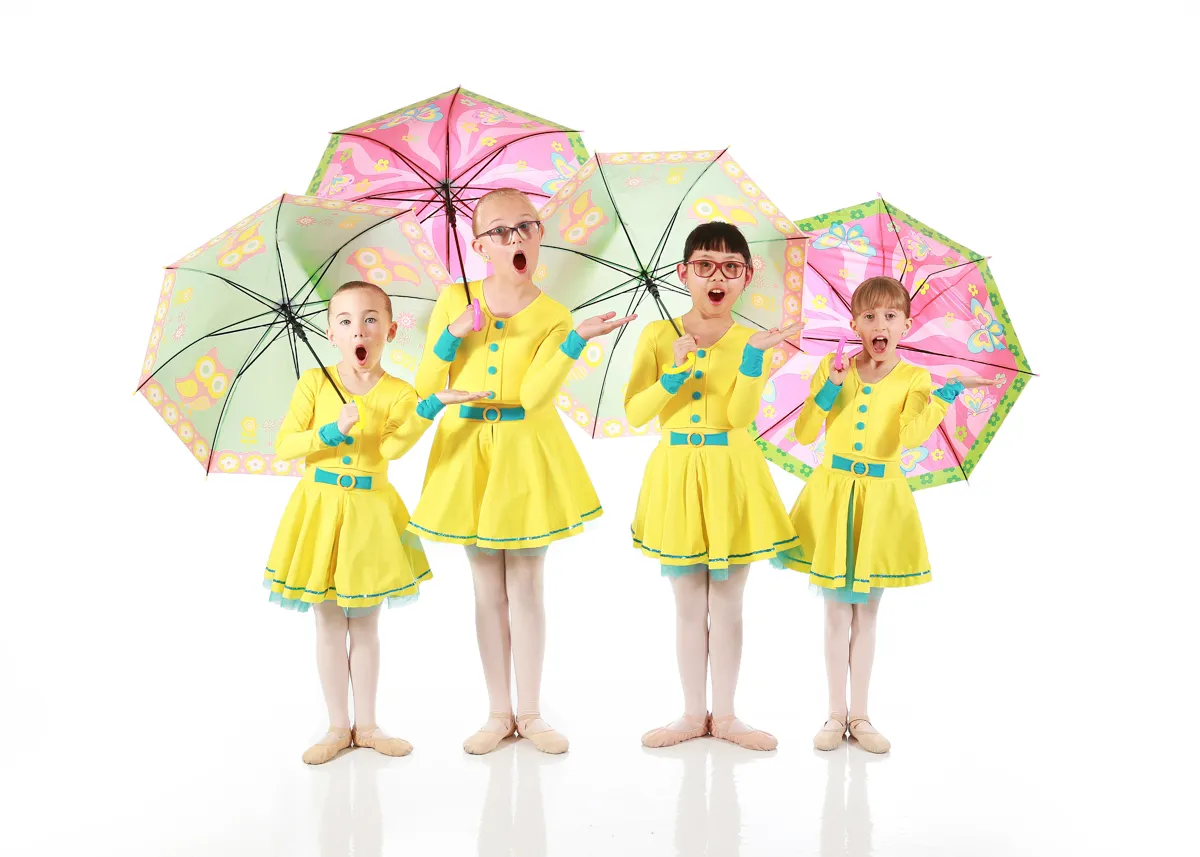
[755, 739]
[548, 740]
[665, 736]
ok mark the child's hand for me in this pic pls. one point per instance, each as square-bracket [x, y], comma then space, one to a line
[458, 397]
[464, 324]
[682, 347]
[598, 325]
[836, 376]
[969, 381]
[765, 339]
[347, 418]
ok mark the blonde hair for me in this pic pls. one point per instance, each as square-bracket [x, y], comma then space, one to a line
[880, 292]
[499, 193]
[361, 285]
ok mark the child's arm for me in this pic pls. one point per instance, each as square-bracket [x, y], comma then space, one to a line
[924, 408]
[441, 344]
[297, 437]
[407, 421]
[550, 365]
[822, 394]
[647, 393]
[748, 388]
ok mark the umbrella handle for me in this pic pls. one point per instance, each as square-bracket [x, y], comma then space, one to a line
[687, 364]
[478, 315]
[837, 358]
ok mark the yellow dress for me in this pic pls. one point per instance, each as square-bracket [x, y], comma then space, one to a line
[502, 473]
[707, 498]
[342, 537]
[856, 518]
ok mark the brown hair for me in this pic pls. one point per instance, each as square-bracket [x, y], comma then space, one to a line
[362, 285]
[499, 193]
[880, 292]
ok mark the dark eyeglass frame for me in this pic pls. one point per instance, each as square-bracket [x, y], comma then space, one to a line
[741, 268]
[503, 234]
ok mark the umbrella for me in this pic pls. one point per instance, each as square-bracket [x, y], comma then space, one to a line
[614, 235]
[439, 156]
[239, 318]
[960, 327]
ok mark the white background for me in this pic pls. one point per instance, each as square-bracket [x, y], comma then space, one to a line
[1039, 693]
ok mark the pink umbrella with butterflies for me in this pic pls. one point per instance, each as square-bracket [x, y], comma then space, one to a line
[960, 328]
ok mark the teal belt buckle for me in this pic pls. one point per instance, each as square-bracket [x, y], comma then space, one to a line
[491, 413]
[342, 480]
[695, 438]
[859, 468]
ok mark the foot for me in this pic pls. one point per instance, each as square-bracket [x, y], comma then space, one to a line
[376, 739]
[684, 729]
[541, 733]
[499, 726]
[729, 728]
[867, 736]
[832, 733]
[333, 742]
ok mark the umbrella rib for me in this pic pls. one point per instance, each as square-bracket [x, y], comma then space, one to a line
[462, 265]
[424, 176]
[961, 264]
[954, 452]
[616, 266]
[283, 297]
[468, 168]
[782, 420]
[483, 165]
[238, 287]
[663, 239]
[633, 304]
[899, 243]
[833, 291]
[633, 282]
[246, 364]
[449, 119]
[328, 263]
[929, 353]
[617, 214]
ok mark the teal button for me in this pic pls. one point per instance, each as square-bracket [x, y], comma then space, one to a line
[858, 447]
[861, 426]
[701, 353]
[491, 394]
[866, 391]
[491, 370]
[499, 325]
[699, 374]
[696, 395]
[345, 459]
[349, 441]
[493, 347]
[695, 418]
[862, 409]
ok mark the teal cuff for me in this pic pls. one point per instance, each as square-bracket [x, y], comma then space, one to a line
[573, 345]
[672, 383]
[429, 408]
[752, 360]
[447, 346]
[331, 435]
[827, 395]
[949, 392]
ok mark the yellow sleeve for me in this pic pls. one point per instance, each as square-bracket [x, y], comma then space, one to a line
[403, 428]
[298, 437]
[747, 394]
[434, 373]
[811, 417]
[549, 367]
[645, 397]
[922, 412]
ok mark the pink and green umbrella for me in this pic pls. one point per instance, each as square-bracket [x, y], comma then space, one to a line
[960, 327]
[439, 156]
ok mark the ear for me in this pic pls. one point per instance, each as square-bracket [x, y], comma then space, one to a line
[477, 246]
[853, 324]
[329, 335]
[907, 325]
[392, 328]
[681, 272]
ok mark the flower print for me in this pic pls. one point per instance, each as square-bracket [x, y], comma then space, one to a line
[648, 157]
[843, 273]
[973, 289]
[819, 302]
[386, 212]
[621, 158]
[179, 332]
[768, 411]
[333, 204]
[676, 156]
[563, 401]
[488, 141]
[255, 463]
[185, 296]
[161, 312]
[348, 223]
[758, 301]
[613, 428]
[425, 252]
[306, 220]
[948, 260]
[522, 165]
[789, 467]
[581, 417]
[148, 364]
[406, 321]
[960, 434]
[750, 189]
[281, 467]
[633, 181]
[412, 230]
[170, 413]
[382, 164]
[362, 185]
[1019, 383]
[1001, 377]
[186, 433]
[155, 336]
[200, 450]
[556, 146]
[926, 478]
[703, 156]
[777, 359]
[806, 471]
[155, 394]
[540, 273]
[469, 127]
[767, 207]
[437, 272]
[228, 463]
[791, 305]
[939, 454]
[733, 169]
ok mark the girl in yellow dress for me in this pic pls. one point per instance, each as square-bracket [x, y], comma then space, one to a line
[856, 519]
[341, 548]
[708, 507]
[504, 479]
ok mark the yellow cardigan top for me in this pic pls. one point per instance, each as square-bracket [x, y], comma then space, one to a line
[721, 392]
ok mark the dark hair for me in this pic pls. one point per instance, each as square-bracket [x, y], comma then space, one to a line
[719, 238]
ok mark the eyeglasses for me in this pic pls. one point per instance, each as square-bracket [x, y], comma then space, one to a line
[706, 268]
[504, 234]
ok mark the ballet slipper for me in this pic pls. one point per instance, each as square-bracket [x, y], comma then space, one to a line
[319, 754]
[548, 740]
[755, 739]
[872, 742]
[830, 737]
[665, 736]
[483, 742]
[386, 746]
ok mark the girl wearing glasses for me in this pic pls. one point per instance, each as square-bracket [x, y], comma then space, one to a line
[707, 507]
[504, 479]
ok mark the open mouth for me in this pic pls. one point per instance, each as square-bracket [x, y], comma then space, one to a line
[879, 344]
[360, 353]
[520, 262]
[716, 295]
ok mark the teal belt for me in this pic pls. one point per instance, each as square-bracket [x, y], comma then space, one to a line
[859, 468]
[491, 413]
[695, 438]
[342, 480]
